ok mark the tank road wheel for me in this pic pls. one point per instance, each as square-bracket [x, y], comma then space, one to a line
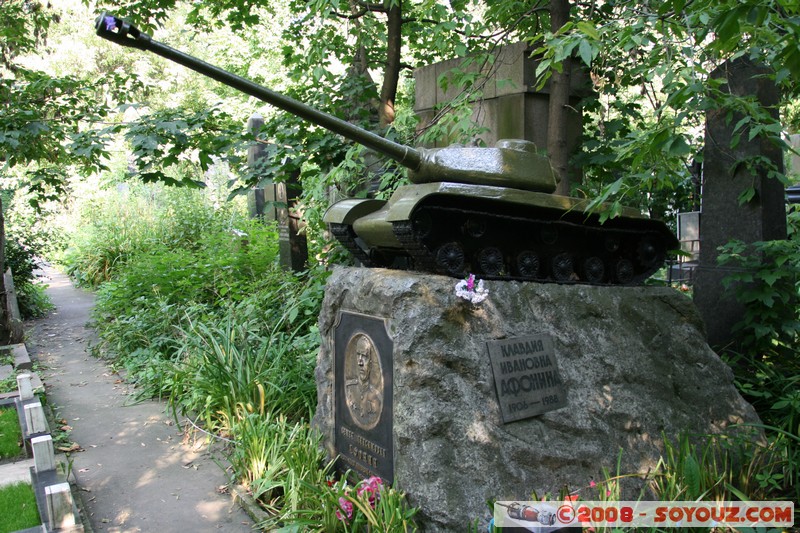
[563, 267]
[623, 271]
[528, 264]
[450, 258]
[593, 270]
[490, 261]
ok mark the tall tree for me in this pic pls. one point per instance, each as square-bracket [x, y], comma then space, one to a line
[650, 64]
[559, 110]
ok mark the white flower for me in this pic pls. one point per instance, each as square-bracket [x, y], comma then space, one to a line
[471, 290]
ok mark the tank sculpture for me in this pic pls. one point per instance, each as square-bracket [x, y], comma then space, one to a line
[488, 211]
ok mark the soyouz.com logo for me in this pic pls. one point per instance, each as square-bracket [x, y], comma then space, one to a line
[545, 516]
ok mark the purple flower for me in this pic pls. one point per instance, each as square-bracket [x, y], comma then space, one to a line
[346, 506]
[111, 23]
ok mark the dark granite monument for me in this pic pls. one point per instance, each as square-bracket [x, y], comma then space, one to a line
[725, 178]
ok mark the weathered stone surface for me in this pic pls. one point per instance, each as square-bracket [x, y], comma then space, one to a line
[634, 362]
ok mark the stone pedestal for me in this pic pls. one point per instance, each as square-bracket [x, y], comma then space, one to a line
[633, 362]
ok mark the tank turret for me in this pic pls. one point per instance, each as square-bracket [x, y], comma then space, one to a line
[489, 211]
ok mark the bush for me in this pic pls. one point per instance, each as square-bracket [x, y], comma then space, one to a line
[228, 372]
[141, 309]
[191, 302]
[29, 237]
[765, 361]
[32, 300]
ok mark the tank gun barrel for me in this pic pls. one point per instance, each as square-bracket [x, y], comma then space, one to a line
[123, 33]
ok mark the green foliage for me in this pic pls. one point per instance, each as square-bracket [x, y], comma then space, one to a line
[202, 261]
[651, 65]
[108, 233]
[27, 241]
[165, 138]
[720, 468]
[231, 370]
[43, 129]
[369, 505]
[765, 282]
[22, 24]
[764, 279]
[21, 498]
[32, 301]
[10, 434]
[280, 461]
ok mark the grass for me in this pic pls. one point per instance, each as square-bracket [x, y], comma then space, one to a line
[10, 383]
[10, 434]
[22, 500]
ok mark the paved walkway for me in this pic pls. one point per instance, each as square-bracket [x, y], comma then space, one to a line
[135, 472]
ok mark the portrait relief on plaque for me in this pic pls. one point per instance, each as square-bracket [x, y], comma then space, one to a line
[363, 377]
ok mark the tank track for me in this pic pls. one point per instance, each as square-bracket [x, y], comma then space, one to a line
[456, 241]
[347, 238]
[421, 257]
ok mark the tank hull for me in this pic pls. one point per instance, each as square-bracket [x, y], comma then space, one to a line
[500, 233]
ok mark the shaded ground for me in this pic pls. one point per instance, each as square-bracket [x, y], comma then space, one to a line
[134, 469]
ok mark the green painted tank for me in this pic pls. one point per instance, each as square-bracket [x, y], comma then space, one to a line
[487, 211]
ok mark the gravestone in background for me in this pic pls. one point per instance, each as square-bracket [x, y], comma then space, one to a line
[724, 179]
[260, 200]
[614, 368]
[277, 202]
[507, 103]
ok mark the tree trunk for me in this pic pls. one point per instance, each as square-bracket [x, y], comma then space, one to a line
[5, 318]
[392, 73]
[557, 125]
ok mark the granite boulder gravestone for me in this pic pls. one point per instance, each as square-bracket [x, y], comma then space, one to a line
[632, 362]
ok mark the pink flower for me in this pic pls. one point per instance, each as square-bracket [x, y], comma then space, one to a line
[592, 484]
[372, 488]
[347, 507]
[471, 282]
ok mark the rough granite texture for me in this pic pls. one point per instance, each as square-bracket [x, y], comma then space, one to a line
[633, 360]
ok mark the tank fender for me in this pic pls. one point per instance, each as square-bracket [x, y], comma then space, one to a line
[348, 210]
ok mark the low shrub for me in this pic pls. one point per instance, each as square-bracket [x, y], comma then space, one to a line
[229, 371]
[142, 310]
[764, 358]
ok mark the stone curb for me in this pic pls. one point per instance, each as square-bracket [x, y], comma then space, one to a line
[241, 496]
[54, 494]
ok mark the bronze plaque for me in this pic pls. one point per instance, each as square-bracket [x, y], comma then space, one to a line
[526, 376]
[363, 396]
